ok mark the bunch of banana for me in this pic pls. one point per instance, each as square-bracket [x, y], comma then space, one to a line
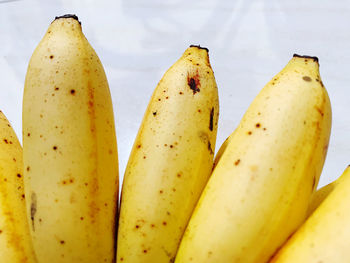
[69, 149]
[15, 241]
[325, 235]
[260, 189]
[170, 162]
[59, 199]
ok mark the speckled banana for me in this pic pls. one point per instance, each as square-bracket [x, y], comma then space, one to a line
[69, 149]
[15, 241]
[260, 189]
[325, 236]
[170, 162]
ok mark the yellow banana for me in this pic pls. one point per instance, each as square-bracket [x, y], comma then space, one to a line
[170, 162]
[324, 237]
[260, 189]
[15, 241]
[319, 196]
[69, 149]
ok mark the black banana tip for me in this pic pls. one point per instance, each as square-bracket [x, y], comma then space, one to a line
[198, 46]
[68, 16]
[307, 57]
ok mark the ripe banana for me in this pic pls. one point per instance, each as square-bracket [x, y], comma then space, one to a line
[324, 237]
[260, 189]
[69, 149]
[319, 196]
[15, 241]
[170, 162]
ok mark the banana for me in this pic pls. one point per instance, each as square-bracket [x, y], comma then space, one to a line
[69, 149]
[324, 237]
[15, 241]
[170, 162]
[319, 196]
[260, 189]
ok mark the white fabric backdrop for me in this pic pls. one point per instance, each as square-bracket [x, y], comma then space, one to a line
[137, 41]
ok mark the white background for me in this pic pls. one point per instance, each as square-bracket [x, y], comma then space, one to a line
[137, 41]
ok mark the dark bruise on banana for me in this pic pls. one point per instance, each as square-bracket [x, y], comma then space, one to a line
[193, 83]
[33, 207]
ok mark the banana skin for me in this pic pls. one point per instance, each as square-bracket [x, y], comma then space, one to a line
[260, 188]
[15, 241]
[170, 162]
[69, 149]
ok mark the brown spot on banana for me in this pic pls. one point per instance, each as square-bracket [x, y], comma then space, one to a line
[33, 208]
[319, 111]
[204, 137]
[209, 148]
[307, 78]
